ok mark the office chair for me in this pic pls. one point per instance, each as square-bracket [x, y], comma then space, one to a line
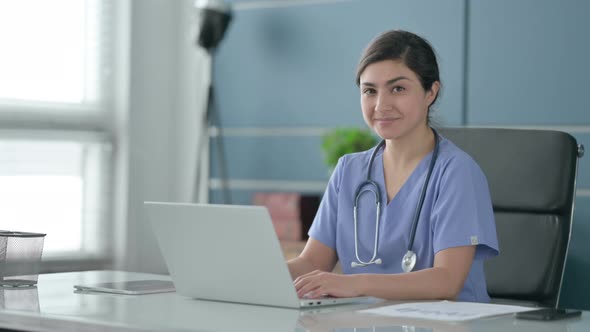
[532, 180]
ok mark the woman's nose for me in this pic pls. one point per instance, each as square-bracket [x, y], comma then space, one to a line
[382, 103]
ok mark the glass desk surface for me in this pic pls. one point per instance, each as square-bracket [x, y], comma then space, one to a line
[55, 306]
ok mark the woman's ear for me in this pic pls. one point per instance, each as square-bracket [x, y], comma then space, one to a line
[432, 93]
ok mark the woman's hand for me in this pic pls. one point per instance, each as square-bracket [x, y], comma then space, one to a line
[317, 283]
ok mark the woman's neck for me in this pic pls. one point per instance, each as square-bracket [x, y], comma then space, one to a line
[409, 149]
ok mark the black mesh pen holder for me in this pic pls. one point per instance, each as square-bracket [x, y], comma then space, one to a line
[20, 257]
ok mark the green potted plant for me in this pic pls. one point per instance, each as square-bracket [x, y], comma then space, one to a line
[340, 141]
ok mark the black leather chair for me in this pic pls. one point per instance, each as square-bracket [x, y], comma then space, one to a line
[532, 179]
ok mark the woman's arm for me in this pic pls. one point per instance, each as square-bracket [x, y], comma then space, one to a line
[443, 281]
[315, 256]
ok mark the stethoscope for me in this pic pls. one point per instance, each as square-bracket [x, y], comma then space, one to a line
[409, 259]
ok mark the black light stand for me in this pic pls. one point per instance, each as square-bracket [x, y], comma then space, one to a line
[214, 19]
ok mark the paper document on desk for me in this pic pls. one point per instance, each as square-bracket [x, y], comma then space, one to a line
[446, 310]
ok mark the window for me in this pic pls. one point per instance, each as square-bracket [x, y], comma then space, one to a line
[50, 50]
[56, 118]
[54, 187]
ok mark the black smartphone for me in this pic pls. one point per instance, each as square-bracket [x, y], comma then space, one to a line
[548, 314]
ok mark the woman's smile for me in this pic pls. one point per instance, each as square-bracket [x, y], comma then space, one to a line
[384, 121]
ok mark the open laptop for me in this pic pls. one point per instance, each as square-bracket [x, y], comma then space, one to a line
[226, 253]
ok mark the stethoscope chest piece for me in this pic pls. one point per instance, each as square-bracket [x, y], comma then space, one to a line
[409, 261]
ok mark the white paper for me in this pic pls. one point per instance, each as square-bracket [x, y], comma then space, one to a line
[446, 310]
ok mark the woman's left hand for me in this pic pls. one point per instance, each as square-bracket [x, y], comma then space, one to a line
[317, 283]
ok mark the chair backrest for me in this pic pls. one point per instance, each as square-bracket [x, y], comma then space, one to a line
[532, 179]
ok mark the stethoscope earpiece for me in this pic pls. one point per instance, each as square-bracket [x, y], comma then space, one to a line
[409, 259]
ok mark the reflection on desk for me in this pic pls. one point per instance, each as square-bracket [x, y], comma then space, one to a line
[351, 319]
[19, 298]
[59, 308]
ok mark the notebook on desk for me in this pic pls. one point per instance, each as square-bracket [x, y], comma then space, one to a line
[226, 253]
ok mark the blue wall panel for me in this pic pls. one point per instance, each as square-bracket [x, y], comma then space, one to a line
[295, 65]
[272, 158]
[528, 62]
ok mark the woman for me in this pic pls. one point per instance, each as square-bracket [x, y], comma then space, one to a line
[399, 81]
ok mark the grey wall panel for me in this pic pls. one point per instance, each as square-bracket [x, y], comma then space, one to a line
[528, 62]
[294, 65]
[272, 158]
[575, 289]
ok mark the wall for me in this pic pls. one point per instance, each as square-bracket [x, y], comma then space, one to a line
[166, 96]
[285, 74]
[528, 67]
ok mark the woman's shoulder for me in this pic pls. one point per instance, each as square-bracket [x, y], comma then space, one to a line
[350, 166]
[452, 155]
[454, 163]
[356, 158]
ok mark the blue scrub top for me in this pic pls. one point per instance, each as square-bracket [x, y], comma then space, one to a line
[457, 211]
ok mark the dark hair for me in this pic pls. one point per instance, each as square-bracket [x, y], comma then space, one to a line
[414, 51]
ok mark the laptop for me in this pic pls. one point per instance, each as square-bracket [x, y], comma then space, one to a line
[226, 253]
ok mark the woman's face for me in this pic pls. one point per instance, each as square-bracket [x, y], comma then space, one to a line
[393, 101]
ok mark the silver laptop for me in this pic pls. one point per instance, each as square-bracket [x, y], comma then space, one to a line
[226, 253]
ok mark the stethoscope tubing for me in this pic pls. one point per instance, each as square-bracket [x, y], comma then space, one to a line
[410, 255]
[423, 193]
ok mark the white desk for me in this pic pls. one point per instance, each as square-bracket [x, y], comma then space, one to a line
[54, 306]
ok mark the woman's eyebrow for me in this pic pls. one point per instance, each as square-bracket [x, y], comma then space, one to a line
[390, 82]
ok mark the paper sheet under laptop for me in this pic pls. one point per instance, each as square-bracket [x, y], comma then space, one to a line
[446, 310]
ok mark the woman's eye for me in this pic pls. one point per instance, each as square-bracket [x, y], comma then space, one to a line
[398, 89]
[368, 91]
